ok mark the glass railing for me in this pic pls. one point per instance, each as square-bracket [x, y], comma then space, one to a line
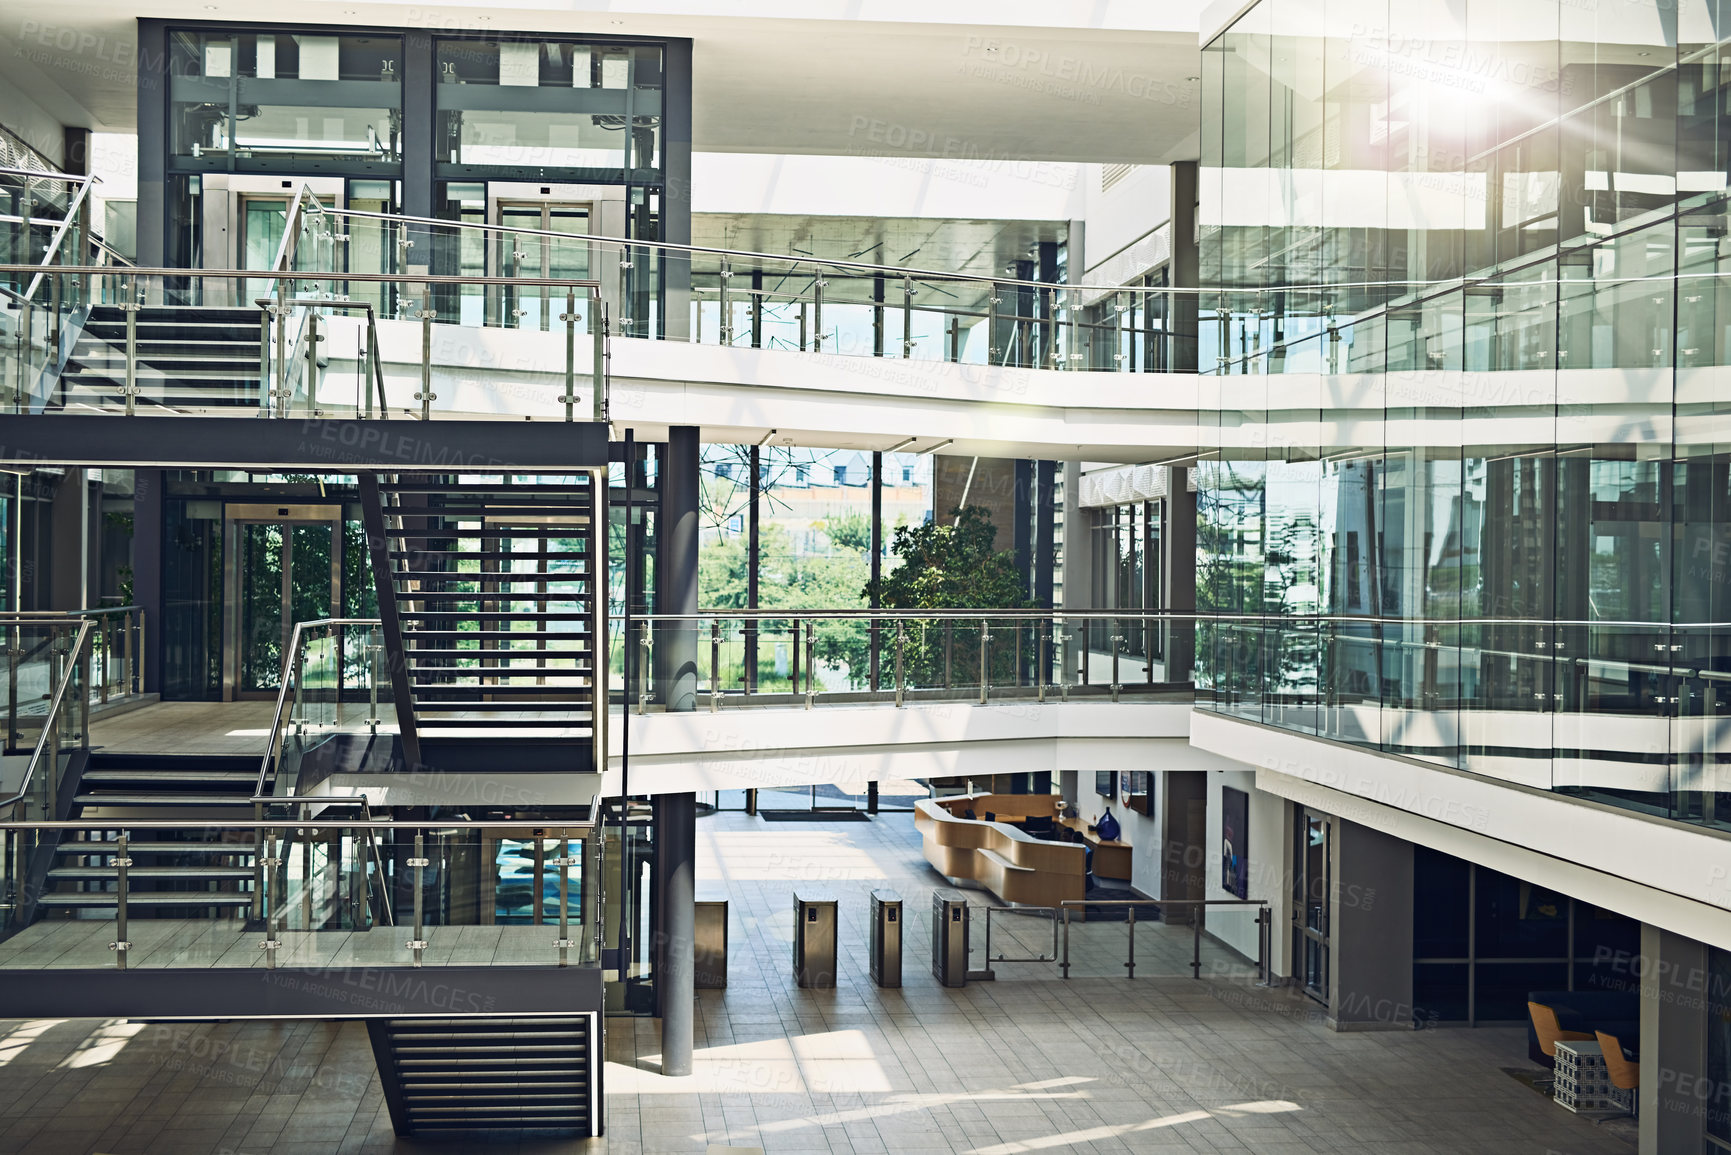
[334, 711]
[328, 887]
[47, 675]
[272, 344]
[1632, 714]
[814, 657]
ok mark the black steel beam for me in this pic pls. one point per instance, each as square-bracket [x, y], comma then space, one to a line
[312, 445]
[390, 624]
[206, 993]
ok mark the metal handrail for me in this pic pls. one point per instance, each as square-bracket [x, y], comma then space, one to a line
[284, 700]
[72, 210]
[901, 271]
[48, 737]
[270, 275]
[1263, 920]
[1201, 617]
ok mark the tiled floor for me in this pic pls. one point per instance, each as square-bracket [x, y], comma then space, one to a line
[1024, 1064]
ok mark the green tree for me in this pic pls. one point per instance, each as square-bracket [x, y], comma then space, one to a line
[953, 567]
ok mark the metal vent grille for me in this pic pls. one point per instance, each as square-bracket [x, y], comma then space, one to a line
[1111, 174]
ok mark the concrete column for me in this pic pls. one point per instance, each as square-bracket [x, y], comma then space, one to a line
[1675, 1097]
[1186, 268]
[676, 869]
[1178, 563]
[676, 814]
[148, 488]
[877, 566]
[676, 183]
[1369, 930]
[676, 567]
[152, 106]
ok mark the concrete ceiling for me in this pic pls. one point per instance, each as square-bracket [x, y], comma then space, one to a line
[877, 79]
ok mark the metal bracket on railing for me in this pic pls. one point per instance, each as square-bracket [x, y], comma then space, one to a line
[564, 942]
[122, 861]
[643, 678]
[810, 660]
[985, 664]
[270, 946]
[419, 863]
[715, 666]
[1117, 645]
[901, 640]
[426, 396]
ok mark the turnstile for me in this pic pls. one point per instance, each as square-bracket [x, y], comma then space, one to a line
[709, 956]
[950, 938]
[886, 960]
[814, 922]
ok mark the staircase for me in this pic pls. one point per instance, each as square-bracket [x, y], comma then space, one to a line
[489, 578]
[481, 1072]
[188, 358]
[175, 872]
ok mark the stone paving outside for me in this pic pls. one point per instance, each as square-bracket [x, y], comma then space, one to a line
[1030, 1063]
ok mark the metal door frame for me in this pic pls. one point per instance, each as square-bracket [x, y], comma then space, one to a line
[238, 514]
[502, 197]
[1302, 933]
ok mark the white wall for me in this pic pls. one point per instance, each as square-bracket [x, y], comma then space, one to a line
[31, 121]
[1123, 215]
[952, 186]
[1236, 926]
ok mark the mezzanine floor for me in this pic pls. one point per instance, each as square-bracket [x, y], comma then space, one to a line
[1028, 1063]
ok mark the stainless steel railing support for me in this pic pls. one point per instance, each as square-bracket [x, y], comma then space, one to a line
[122, 862]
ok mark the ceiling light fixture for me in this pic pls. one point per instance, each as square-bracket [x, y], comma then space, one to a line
[765, 439]
[901, 445]
[939, 445]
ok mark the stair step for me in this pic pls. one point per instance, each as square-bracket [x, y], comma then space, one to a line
[413, 1038]
[98, 873]
[562, 706]
[228, 898]
[466, 594]
[481, 487]
[544, 531]
[498, 672]
[167, 775]
[135, 798]
[543, 1062]
[488, 1022]
[477, 575]
[485, 554]
[422, 690]
[491, 616]
[492, 636]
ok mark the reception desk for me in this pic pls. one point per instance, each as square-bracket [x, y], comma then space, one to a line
[1111, 856]
[1012, 864]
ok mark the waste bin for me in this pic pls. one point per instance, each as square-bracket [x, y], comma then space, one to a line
[886, 960]
[709, 954]
[814, 939]
[950, 938]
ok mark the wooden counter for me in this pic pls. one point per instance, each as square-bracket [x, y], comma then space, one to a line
[1012, 864]
[1111, 856]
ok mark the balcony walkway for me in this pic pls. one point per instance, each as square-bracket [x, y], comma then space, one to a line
[1033, 1064]
[196, 943]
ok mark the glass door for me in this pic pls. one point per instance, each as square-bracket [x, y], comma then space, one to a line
[282, 570]
[1311, 909]
[262, 221]
[529, 255]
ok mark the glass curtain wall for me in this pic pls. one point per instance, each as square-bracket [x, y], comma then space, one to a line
[1482, 245]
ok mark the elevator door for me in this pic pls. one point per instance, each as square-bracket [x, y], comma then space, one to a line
[285, 566]
[532, 255]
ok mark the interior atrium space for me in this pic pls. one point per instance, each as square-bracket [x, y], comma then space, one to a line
[655, 577]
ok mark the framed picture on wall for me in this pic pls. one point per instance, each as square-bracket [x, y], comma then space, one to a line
[1235, 842]
[1103, 782]
[1137, 787]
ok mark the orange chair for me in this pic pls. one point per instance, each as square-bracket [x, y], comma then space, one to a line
[1625, 1073]
[1550, 1032]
